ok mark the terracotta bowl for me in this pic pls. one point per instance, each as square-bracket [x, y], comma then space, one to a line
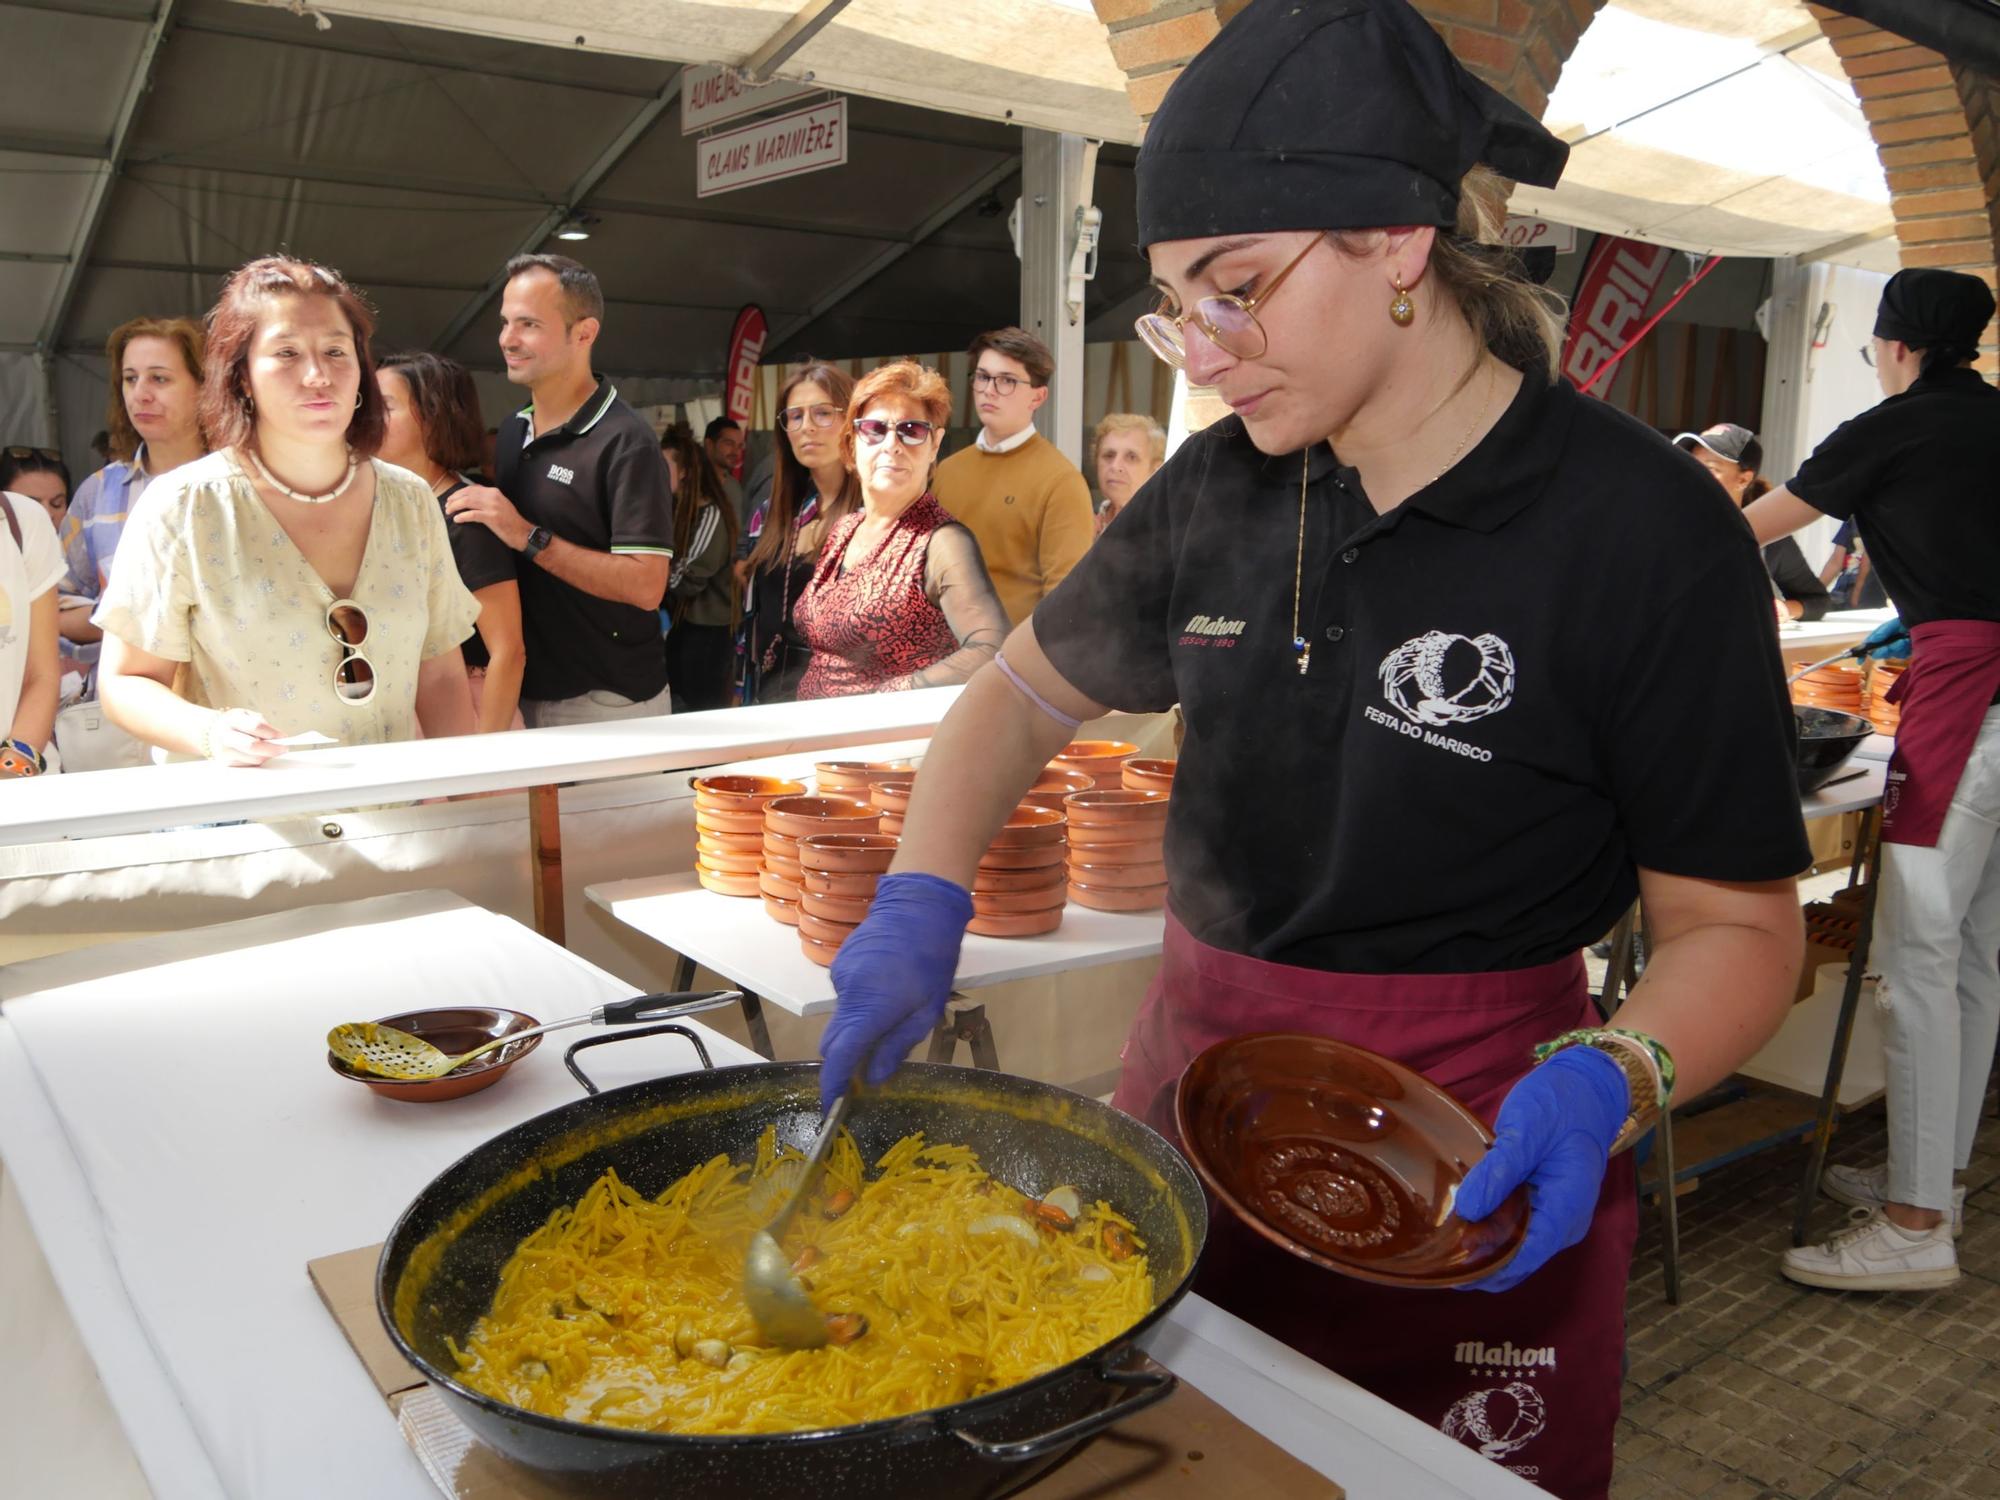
[1098, 898]
[729, 863]
[1054, 784]
[741, 793]
[726, 883]
[1116, 846]
[748, 820]
[781, 911]
[1001, 903]
[824, 931]
[820, 953]
[1045, 878]
[850, 777]
[1272, 1121]
[785, 869]
[799, 816]
[778, 888]
[1148, 775]
[729, 843]
[1098, 759]
[1111, 877]
[782, 845]
[1017, 924]
[1116, 807]
[891, 796]
[453, 1029]
[892, 824]
[840, 883]
[849, 909]
[849, 853]
[1032, 857]
[1030, 826]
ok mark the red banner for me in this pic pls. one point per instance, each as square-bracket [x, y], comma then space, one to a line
[746, 348]
[1620, 278]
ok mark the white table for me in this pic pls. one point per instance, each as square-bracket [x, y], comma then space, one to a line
[734, 937]
[178, 1208]
[1802, 641]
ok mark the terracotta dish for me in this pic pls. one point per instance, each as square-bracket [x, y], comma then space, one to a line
[776, 886]
[451, 1030]
[781, 911]
[726, 884]
[799, 816]
[741, 793]
[1343, 1158]
[736, 820]
[840, 882]
[824, 931]
[1033, 857]
[820, 953]
[1116, 807]
[848, 909]
[1017, 924]
[852, 777]
[1100, 898]
[984, 879]
[1054, 784]
[1027, 826]
[891, 823]
[729, 862]
[1098, 759]
[867, 853]
[1148, 775]
[1000, 903]
[785, 869]
[781, 844]
[1117, 876]
[1115, 846]
[891, 796]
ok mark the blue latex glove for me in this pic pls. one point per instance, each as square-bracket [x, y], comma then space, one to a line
[1888, 641]
[1554, 1133]
[891, 978]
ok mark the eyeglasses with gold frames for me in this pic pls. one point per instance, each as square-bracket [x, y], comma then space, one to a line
[1228, 322]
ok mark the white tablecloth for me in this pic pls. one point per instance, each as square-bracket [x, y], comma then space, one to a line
[168, 1116]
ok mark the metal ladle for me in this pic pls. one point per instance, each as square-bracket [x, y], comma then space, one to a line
[386, 1052]
[778, 1300]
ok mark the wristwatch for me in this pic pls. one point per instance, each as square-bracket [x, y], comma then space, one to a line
[537, 539]
[19, 758]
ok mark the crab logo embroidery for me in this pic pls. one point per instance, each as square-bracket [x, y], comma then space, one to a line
[1441, 678]
[1498, 1422]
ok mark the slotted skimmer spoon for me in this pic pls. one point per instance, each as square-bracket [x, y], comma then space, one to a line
[777, 1298]
[385, 1052]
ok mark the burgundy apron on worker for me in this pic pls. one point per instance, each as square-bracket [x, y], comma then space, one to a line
[1953, 676]
[1530, 1378]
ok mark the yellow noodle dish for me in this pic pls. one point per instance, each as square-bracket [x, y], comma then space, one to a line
[939, 1284]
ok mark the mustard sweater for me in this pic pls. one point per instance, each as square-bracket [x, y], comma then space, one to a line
[1029, 509]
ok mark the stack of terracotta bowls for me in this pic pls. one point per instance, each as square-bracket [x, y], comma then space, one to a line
[729, 829]
[1055, 784]
[852, 778]
[1100, 760]
[786, 821]
[1837, 687]
[1020, 885]
[1149, 775]
[1884, 715]
[840, 872]
[1116, 844]
[892, 800]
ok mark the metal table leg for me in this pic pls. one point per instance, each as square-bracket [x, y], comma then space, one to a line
[964, 1022]
[1670, 1212]
[753, 1007]
[1850, 996]
[545, 845]
[683, 972]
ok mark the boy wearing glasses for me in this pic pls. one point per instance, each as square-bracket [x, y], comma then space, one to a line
[1028, 505]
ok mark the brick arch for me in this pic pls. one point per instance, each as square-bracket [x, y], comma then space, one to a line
[1936, 124]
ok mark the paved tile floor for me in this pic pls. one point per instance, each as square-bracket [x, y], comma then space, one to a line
[1756, 1388]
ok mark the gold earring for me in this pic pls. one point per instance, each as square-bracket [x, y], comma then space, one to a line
[1402, 311]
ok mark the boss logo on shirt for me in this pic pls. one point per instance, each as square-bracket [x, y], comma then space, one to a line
[561, 475]
[1207, 630]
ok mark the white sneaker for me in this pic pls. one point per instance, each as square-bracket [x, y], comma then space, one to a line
[1873, 1255]
[1868, 1187]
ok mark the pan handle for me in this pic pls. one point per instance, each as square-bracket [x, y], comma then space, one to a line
[569, 1057]
[1146, 1387]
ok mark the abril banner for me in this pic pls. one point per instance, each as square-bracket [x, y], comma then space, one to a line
[1620, 278]
[746, 348]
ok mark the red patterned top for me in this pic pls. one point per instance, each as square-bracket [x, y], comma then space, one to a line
[874, 627]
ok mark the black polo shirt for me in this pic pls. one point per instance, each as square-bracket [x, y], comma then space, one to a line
[1921, 473]
[1552, 666]
[483, 560]
[598, 481]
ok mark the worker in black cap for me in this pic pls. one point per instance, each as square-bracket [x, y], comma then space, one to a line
[1434, 745]
[1918, 472]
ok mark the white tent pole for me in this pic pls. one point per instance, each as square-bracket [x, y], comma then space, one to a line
[812, 18]
[1052, 190]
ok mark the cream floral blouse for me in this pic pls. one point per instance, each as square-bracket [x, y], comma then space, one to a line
[206, 575]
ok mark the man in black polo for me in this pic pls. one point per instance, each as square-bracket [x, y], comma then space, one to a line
[583, 494]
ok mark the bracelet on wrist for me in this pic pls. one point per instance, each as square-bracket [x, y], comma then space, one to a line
[1648, 1068]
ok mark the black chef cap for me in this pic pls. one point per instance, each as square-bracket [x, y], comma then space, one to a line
[1327, 114]
[1931, 309]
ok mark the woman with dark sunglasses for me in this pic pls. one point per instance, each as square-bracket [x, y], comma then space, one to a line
[812, 491]
[1437, 738]
[900, 597]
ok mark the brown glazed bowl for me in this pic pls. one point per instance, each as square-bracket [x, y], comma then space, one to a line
[781, 911]
[820, 953]
[1098, 759]
[891, 796]
[848, 853]
[1343, 1158]
[1111, 877]
[1101, 898]
[1148, 775]
[1047, 876]
[821, 930]
[842, 778]
[747, 821]
[1116, 807]
[1005, 903]
[741, 793]
[728, 862]
[859, 883]
[726, 883]
[1054, 784]
[800, 816]
[1032, 857]
[848, 909]
[1016, 924]
[452, 1030]
[1031, 826]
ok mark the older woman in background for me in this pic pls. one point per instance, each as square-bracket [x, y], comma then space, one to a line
[1129, 447]
[434, 430]
[305, 584]
[900, 597]
[812, 490]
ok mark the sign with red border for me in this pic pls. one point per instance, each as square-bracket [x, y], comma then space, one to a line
[806, 140]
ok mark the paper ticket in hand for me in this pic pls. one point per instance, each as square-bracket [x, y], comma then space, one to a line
[306, 741]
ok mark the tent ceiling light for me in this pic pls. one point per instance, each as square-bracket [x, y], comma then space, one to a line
[575, 227]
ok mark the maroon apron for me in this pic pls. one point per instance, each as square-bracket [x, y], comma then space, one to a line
[1954, 672]
[1529, 1378]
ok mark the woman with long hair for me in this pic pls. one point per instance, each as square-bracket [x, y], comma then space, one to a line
[812, 490]
[304, 584]
[1436, 741]
[434, 430]
[701, 588]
